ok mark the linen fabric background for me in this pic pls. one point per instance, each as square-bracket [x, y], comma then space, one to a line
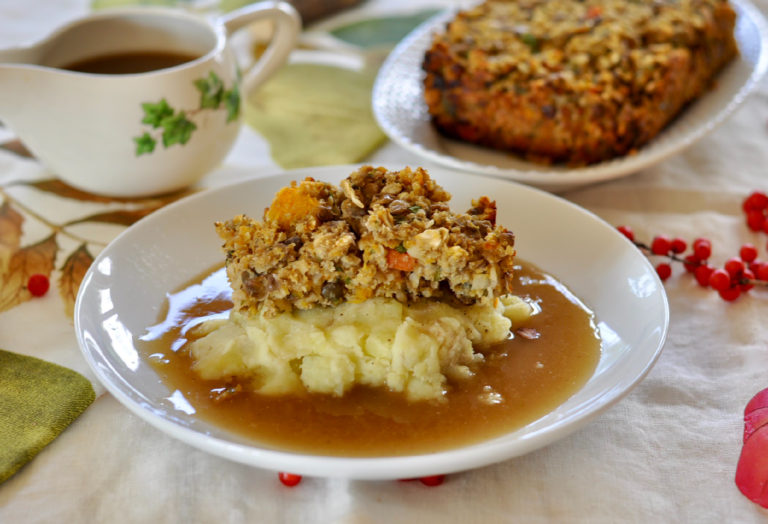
[666, 453]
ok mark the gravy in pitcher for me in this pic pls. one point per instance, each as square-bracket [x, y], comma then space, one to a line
[129, 63]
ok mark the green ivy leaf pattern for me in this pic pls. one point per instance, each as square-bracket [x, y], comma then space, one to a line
[211, 91]
[380, 32]
[177, 129]
[155, 113]
[232, 103]
[177, 125]
[144, 144]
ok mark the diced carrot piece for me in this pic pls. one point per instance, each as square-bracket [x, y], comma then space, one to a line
[401, 261]
[593, 12]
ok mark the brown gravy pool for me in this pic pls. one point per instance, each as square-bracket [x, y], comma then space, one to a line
[532, 376]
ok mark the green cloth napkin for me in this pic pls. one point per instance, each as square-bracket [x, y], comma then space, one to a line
[37, 401]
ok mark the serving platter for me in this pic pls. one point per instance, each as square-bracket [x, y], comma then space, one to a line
[125, 290]
[400, 111]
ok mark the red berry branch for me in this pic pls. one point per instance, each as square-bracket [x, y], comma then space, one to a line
[738, 275]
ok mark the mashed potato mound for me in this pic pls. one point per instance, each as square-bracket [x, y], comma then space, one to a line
[413, 349]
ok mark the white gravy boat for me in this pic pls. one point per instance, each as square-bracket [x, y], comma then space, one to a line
[139, 134]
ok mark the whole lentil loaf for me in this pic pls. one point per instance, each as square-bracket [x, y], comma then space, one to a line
[381, 234]
[573, 81]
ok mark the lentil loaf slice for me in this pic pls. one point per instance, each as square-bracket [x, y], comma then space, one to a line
[573, 81]
[380, 234]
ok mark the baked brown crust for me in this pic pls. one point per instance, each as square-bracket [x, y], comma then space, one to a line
[381, 234]
[573, 81]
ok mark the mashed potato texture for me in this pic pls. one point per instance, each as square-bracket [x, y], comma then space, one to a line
[413, 349]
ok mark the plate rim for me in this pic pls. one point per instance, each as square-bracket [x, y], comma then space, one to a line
[566, 178]
[452, 460]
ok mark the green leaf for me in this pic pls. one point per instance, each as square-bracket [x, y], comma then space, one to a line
[232, 103]
[230, 5]
[211, 91]
[401, 248]
[144, 144]
[314, 115]
[177, 129]
[384, 31]
[155, 113]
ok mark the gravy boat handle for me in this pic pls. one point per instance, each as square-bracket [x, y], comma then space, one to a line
[287, 28]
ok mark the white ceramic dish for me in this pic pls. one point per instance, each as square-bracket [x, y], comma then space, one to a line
[125, 289]
[402, 114]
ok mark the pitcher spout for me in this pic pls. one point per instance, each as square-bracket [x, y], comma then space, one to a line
[24, 96]
[18, 55]
[17, 78]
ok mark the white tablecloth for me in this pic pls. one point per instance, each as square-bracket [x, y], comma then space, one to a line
[666, 453]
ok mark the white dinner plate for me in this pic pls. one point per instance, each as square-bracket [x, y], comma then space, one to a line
[125, 289]
[400, 110]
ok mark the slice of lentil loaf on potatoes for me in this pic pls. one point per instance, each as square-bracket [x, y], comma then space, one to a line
[381, 234]
[573, 81]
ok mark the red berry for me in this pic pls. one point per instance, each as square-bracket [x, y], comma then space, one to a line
[664, 271]
[627, 232]
[434, 480]
[735, 267]
[660, 245]
[38, 284]
[762, 272]
[678, 245]
[755, 220]
[702, 274]
[702, 248]
[691, 263]
[720, 280]
[730, 294]
[756, 200]
[289, 479]
[748, 253]
[746, 277]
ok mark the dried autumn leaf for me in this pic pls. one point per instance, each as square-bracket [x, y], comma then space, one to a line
[36, 258]
[123, 217]
[59, 188]
[10, 234]
[18, 148]
[72, 273]
[383, 31]
[331, 123]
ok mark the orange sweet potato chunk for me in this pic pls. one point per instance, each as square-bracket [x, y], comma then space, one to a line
[290, 205]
